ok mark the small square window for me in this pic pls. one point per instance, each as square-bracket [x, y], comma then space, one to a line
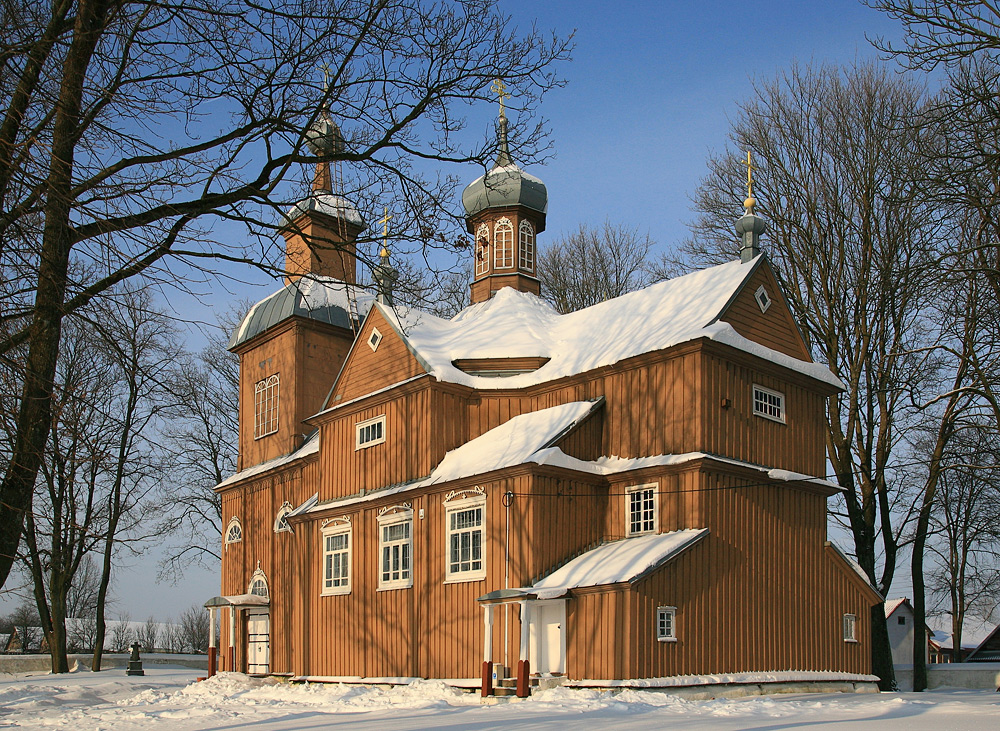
[666, 624]
[374, 339]
[901, 620]
[369, 433]
[763, 300]
[640, 510]
[769, 404]
[850, 628]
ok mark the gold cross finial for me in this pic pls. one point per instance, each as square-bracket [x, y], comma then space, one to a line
[749, 202]
[385, 229]
[500, 89]
[326, 76]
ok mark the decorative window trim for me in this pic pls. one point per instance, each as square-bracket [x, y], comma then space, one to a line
[261, 577]
[850, 627]
[334, 583]
[503, 244]
[265, 406]
[374, 339]
[482, 246]
[370, 432]
[763, 298]
[629, 492]
[400, 549]
[666, 624]
[280, 524]
[768, 403]
[455, 504]
[234, 536]
[526, 246]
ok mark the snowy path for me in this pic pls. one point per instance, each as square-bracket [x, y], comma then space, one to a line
[166, 698]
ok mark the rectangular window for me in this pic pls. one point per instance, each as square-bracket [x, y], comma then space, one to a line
[265, 407]
[337, 561]
[640, 510]
[850, 628]
[769, 404]
[666, 624]
[369, 433]
[396, 544]
[466, 527]
[503, 244]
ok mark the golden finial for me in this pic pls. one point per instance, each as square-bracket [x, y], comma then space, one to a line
[749, 202]
[326, 76]
[385, 232]
[500, 89]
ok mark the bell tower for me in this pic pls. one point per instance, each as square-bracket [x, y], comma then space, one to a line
[505, 211]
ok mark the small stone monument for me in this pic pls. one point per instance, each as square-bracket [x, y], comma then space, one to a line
[134, 661]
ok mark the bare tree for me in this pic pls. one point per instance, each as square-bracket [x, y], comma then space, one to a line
[149, 635]
[592, 265]
[25, 621]
[120, 634]
[194, 629]
[835, 150]
[130, 128]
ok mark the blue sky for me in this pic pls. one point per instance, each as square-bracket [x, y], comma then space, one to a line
[651, 91]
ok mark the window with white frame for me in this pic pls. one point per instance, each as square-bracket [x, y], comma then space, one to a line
[666, 624]
[526, 246]
[258, 584]
[369, 433]
[762, 297]
[374, 339]
[482, 249]
[465, 555]
[769, 404]
[265, 407]
[850, 628]
[395, 550]
[280, 520]
[640, 510]
[234, 531]
[337, 559]
[503, 244]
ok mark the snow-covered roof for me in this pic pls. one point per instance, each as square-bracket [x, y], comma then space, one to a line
[325, 299]
[310, 446]
[515, 324]
[616, 562]
[328, 204]
[893, 604]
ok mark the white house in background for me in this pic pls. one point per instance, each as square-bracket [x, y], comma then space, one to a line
[899, 618]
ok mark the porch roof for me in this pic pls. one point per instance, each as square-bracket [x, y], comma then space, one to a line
[238, 600]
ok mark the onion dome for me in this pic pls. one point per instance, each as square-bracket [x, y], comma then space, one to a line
[505, 185]
[323, 136]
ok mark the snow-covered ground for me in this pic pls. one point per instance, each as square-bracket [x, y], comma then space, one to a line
[168, 698]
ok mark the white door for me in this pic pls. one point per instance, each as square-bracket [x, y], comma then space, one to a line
[546, 637]
[258, 643]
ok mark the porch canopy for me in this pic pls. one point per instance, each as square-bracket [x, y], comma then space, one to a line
[238, 600]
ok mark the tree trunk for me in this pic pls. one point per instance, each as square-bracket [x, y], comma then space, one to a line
[882, 650]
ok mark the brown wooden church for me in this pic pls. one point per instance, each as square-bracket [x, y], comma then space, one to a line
[622, 492]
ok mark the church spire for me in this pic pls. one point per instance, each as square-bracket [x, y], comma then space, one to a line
[503, 157]
[750, 226]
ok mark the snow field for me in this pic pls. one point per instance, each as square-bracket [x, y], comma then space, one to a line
[169, 699]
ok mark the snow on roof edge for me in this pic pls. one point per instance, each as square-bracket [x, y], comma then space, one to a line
[774, 676]
[310, 446]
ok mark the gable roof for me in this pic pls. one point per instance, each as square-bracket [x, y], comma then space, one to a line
[516, 324]
[893, 604]
[617, 562]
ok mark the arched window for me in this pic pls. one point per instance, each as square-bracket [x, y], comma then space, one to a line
[258, 584]
[280, 524]
[503, 244]
[265, 407]
[526, 246]
[234, 531]
[482, 249]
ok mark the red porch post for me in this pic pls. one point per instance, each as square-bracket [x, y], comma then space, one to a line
[487, 689]
[523, 667]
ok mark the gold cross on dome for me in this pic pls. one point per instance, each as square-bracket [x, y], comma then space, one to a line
[750, 169]
[385, 223]
[500, 89]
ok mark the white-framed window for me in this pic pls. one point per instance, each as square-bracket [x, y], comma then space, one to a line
[482, 249]
[280, 520]
[503, 244]
[395, 532]
[265, 406]
[666, 624]
[526, 246]
[337, 559]
[465, 539]
[640, 510]
[369, 433]
[850, 628]
[258, 584]
[374, 339]
[763, 298]
[234, 531]
[769, 404]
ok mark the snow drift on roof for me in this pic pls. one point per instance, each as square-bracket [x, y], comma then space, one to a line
[516, 324]
[310, 446]
[617, 562]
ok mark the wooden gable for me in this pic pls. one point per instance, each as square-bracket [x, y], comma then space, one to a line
[773, 327]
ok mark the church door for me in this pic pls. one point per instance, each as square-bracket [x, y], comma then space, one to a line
[547, 637]
[258, 643]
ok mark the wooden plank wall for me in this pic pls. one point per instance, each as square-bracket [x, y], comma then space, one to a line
[367, 370]
[775, 328]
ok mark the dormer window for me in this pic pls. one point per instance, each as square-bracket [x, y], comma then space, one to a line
[265, 407]
[482, 249]
[374, 339]
[526, 247]
[763, 299]
[369, 433]
[503, 244]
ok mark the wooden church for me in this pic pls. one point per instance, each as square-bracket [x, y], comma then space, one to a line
[629, 491]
